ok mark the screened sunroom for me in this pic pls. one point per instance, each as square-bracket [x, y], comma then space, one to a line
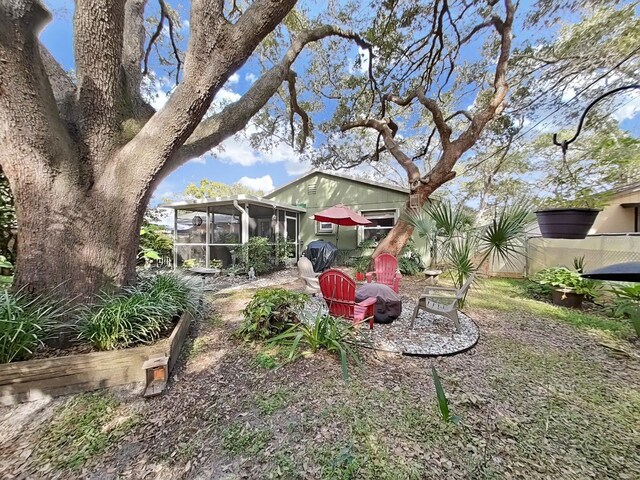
[214, 229]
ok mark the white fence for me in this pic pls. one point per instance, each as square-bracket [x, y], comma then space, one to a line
[598, 251]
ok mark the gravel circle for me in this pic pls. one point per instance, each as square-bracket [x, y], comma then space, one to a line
[432, 335]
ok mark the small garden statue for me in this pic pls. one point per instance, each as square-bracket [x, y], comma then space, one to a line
[252, 274]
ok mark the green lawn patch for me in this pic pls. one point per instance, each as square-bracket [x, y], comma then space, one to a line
[509, 295]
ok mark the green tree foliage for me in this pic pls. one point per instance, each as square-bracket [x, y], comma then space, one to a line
[211, 189]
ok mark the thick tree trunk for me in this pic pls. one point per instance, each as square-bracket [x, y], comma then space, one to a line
[76, 241]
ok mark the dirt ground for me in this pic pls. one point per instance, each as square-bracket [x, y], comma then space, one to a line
[537, 398]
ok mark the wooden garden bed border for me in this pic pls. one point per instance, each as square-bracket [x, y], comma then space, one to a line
[50, 377]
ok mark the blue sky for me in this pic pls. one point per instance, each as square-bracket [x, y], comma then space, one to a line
[236, 160]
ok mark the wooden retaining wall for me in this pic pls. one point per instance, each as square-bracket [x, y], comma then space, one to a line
[50, 377]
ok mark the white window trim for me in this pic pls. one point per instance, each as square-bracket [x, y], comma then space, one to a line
[323, 231]
[396, 215]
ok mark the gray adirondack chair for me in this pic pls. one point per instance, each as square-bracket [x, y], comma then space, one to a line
[443, 302]
[305, 270]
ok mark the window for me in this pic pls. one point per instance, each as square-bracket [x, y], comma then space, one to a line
[636, 222]
[325, 227]
[382, 221]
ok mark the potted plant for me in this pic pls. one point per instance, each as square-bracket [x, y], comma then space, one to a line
[569, 218]
[569, 289]
[361, 265]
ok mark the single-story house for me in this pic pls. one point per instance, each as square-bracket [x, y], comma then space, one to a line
[620, 215]
[622, 212]
[211, 228]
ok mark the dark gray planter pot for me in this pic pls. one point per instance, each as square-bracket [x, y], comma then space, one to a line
[566, 222]
[567, 298]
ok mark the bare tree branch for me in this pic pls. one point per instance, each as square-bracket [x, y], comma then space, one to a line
[234, 117]
[295, 108]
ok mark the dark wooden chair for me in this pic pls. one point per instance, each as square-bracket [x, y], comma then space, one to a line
[339, 291]
[386, 271]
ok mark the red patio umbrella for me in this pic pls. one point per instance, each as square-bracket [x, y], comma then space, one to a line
[341, 215]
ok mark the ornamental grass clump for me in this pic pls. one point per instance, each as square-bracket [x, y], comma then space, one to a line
[120, 320]
[25, 323]
[138, 315]
[177, 291]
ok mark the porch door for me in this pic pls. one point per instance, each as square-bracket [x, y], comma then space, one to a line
[291, 233]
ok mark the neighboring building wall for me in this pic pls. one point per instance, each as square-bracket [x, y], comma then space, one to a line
[320, 191]
[615, 218]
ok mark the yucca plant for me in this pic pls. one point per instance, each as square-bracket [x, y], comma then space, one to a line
[26, 322]
[443, 402]
[322, 331]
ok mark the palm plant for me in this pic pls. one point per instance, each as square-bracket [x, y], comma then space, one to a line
[467, 247]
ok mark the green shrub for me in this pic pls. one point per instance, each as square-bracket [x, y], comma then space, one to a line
[321, 332]
[409, 261]
[562, 277]
[627, 304]
[257, 253]
[25, 323]
[270, 312]
[362, 264]
[124, 319]
[537, 290]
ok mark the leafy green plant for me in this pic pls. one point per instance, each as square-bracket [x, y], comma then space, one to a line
[409, 261]
[361, 264]
[443, 402]
[215, 263]
[562, 277]
[26, 322]
[270, 312]
[191, 263]
[323, 331]
[259, 254]
[467, 247]
[4, 263]
[627, 304]
[180, 293]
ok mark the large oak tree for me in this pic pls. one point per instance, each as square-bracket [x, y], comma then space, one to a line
[83, 154]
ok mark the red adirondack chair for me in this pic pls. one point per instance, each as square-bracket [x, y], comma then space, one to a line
[386, 271]
[339, 291]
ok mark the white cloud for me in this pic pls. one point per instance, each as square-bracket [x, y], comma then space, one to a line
[233, 79]
[202, 160]
[250, 77]
[259, 183]
[629, 109]
[238, 150]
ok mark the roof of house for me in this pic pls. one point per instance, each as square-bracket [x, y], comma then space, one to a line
[631, 187]
[388, 186]
[207, 202]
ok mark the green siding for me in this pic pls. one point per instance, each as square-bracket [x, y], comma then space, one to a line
[332, 190]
